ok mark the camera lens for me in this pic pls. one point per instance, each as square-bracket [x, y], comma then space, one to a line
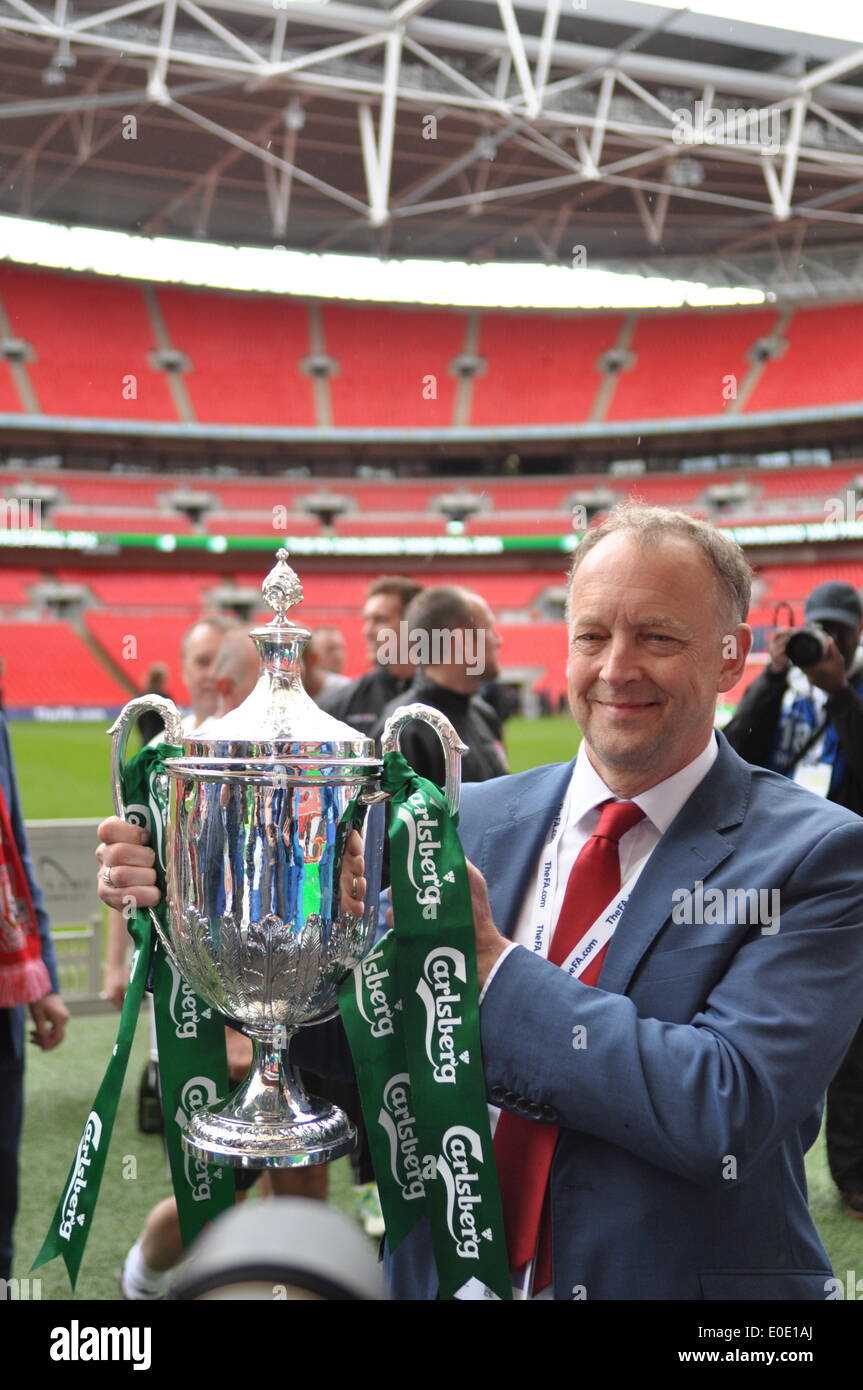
[804, 648]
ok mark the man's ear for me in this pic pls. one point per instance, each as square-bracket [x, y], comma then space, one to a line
[736, 646]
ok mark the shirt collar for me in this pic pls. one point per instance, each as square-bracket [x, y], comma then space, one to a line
[660, 804]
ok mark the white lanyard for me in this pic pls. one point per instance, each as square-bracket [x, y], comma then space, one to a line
[591, 942]
[542, 925]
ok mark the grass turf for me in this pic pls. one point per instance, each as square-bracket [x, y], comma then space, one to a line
[60, 1089]
[63, 771]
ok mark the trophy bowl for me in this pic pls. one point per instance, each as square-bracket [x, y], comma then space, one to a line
[259, 810]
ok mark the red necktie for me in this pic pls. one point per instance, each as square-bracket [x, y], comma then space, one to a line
[524, 1149]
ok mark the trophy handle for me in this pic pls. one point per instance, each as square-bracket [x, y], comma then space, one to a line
[122, 727]
[452, 744]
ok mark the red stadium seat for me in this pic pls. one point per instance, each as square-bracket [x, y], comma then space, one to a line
[117, 522]
[72, 676]
[823, 363]
[683, 360]
[68, 320]
[143, 589]
[14, 584]
[541, 368]
[393, 364]
[245, 353]
[136, 642]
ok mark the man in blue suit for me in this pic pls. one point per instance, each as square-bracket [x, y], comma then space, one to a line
[685, 1082]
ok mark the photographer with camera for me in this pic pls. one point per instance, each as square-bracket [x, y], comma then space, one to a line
[803, 717]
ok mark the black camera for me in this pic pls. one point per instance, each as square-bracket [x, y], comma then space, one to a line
[807, 646]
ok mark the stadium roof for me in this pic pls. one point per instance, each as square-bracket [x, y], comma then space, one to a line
[644, 139]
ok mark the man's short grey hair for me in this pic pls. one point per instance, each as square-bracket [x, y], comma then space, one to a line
[652, 524]
[237, 654]
[219, 622]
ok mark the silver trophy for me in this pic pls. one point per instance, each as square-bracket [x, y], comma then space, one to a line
[259, 811]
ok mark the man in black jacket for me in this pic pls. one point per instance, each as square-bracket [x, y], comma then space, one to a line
[808, 724]
[451, 636]
[359, 703]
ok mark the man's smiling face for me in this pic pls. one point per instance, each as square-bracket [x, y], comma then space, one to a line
[650, 647]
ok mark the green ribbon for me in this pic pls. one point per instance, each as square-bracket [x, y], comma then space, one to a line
[193, 1072]
[411, 1013]
[192, 1060]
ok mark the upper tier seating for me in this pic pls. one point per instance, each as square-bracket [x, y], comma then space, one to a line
[385, 359]
[244, 352]
[823, 363]
[544, 364]
[683, 362]
[245, 359]
[91, 337]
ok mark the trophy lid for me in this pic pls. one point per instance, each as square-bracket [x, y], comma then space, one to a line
[279, 717]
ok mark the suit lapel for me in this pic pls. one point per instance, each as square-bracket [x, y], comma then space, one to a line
[691, 848]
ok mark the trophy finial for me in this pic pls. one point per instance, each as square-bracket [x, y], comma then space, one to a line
[281, 588]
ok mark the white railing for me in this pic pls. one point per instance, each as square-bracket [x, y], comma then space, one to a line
[62, 852]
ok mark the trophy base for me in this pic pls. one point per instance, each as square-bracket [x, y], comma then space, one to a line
[299, 1141]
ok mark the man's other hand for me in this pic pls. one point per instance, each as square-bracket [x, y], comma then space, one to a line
[50, 1017]
[352, 882]
[489, 942]
[123, 854]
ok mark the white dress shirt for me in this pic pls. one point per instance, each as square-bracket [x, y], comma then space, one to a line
[584, 795]
[580, 817]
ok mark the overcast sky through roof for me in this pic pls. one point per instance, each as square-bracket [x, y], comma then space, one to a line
[837, 19]
[433, 282]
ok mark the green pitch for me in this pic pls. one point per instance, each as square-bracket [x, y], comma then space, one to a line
[64, 770]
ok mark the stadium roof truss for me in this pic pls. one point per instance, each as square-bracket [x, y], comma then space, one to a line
[641, 139]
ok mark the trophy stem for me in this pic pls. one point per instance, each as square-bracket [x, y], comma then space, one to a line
[270, 1121]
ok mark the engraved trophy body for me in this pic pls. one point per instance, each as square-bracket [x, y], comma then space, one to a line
[259, 811]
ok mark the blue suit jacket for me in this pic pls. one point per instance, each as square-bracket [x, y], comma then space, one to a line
[685, 1115]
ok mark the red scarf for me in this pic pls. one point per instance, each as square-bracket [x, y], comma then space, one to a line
[23, 975]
